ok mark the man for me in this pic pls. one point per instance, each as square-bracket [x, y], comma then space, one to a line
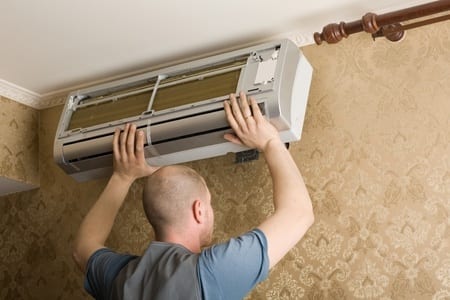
[177, 203]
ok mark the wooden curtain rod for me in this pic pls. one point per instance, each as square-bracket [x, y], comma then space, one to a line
[387, 25]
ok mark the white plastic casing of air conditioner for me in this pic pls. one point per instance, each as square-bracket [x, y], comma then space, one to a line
[276, 74]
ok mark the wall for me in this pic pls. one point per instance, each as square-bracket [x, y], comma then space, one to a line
[375, 155]
[18, 147]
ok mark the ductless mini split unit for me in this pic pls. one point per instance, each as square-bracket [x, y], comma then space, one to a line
[180, 108]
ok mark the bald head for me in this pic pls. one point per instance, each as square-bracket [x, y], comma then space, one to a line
[169, 194]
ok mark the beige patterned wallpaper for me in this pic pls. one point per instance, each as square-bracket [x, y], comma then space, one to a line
[375, 155]
[19, 143]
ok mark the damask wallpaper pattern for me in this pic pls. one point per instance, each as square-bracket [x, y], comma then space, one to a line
[375, 155]
[19, 142]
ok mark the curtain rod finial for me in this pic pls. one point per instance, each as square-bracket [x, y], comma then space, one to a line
[332, 34]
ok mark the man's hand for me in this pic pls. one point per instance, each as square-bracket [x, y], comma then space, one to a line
[252, 130]
[129, 158]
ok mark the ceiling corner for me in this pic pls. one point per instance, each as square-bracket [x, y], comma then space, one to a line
[19, 94]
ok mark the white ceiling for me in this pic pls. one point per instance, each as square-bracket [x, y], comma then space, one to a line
[53, 46]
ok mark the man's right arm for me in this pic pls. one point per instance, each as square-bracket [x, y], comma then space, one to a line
[293, 209]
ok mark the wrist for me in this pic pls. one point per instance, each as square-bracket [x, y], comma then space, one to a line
[274, 143]
[121, 179]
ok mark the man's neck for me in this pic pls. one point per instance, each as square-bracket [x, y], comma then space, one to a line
[190, 242]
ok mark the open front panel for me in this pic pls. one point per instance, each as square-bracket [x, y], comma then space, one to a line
[198, 90]
[109, 111]
[172, 92]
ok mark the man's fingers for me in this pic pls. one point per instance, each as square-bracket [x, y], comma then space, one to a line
[123, 141]
[116, 149]
[237, 113]
[130, 140]
[257, 115]
[128, 143]
[129, 153]
[245, 108]
[140, 145]
[230, 117]
[233, 138]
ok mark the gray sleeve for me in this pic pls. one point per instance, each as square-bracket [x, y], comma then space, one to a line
[230, 270]
[102, 268]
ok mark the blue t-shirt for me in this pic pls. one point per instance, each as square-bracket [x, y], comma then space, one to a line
[224, 271]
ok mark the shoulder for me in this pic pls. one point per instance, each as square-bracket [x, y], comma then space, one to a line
[102, 268]
[217, 266]
[108, 259]
[254, 239]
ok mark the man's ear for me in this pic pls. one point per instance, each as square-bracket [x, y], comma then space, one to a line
[197, 211]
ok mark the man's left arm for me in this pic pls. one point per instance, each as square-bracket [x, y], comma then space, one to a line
[129, 164]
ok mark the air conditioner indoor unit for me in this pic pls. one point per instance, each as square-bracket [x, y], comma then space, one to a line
[180, 108]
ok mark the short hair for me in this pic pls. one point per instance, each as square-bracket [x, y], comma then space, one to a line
[169, 194]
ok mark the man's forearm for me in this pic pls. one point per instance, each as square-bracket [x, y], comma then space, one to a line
[97, 224]
[293, 210]
[289, 190]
